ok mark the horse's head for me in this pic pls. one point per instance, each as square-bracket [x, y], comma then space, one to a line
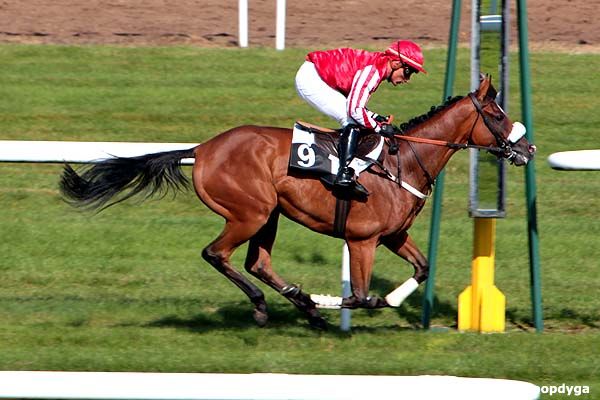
[494, 128]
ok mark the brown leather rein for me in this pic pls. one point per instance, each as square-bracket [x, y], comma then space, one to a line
[503, 149]
[499, 150]
[451, 145]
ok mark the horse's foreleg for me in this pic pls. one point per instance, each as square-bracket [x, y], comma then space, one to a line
[258, 263]
[217, 254]
[403, 245]
[362, 257]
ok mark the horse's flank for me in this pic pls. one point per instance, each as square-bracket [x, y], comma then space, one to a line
[389, 208]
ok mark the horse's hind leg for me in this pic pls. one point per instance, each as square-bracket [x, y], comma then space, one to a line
[218, 253]
[403, 245]
[258, 263]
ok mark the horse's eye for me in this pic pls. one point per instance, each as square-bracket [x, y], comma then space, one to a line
[499, 117]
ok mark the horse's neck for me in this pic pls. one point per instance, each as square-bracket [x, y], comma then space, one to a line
[449, 125]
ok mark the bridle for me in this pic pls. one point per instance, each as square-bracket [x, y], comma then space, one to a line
[503, 148]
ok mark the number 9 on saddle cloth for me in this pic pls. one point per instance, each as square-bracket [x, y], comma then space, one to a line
[314, 150]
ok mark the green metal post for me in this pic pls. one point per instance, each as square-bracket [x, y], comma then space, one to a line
[526, 109]
[434, 230]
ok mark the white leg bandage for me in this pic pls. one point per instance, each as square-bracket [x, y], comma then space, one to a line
[327, 301]
[399, 294]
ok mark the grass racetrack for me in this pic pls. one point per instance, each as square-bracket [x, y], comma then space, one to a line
[127, 290]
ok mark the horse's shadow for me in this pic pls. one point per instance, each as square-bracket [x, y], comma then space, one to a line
[282, 316]
[238, 315]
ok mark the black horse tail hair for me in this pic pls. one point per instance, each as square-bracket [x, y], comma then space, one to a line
[95, 186]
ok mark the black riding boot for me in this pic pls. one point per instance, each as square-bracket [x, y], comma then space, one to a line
[347, 147]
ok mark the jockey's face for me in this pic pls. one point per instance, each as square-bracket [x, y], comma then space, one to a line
[400, 73]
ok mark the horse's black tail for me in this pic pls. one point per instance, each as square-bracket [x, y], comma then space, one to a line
[95, 186]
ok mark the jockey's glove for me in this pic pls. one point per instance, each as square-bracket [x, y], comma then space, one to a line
[383, 119]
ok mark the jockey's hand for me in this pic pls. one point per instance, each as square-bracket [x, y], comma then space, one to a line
[388, 130]
[384, 119]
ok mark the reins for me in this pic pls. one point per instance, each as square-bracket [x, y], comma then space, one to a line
[451, 145]
[479, 108]
[503, 149]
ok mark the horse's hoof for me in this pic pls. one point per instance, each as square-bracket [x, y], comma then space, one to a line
[317, 323]
[261, 317]
[376, 302]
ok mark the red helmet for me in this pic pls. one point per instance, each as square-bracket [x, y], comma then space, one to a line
[409, 53]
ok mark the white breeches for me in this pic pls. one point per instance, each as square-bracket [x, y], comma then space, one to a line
[312, 89]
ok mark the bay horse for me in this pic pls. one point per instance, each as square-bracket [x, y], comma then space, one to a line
[242, 175]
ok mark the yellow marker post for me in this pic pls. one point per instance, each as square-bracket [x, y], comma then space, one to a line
[481, 306]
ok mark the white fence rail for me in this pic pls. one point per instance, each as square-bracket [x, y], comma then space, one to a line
[280, 13]
[576, 160]
[80, 152]
[177, 386]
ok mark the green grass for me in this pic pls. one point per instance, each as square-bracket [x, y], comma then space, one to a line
[127, 290]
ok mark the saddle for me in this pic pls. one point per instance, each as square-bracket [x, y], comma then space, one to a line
[315, 150]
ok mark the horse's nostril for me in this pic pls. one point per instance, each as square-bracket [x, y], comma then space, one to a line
[532, 148]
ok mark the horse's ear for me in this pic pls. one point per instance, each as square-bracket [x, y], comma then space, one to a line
[484, 85]
[493, 93]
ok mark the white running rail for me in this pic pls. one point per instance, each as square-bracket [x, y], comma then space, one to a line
[178, 386]
[80, 152]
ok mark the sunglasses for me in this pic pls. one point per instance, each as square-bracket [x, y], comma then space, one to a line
[408, 71]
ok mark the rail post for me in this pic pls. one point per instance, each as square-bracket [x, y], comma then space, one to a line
[534, 258]
[481, 306]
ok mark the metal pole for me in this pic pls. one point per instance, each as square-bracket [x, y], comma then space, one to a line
[475, 47]
[505, 55]
[434, 230]
[243, 22]
[345, 315]
[475, 73]
[280, 25]
[534, 262]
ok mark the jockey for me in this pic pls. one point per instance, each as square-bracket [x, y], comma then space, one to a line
[340, 82]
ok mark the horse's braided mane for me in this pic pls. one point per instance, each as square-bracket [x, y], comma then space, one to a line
[405, 126]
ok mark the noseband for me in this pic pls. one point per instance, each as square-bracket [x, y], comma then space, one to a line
[504, 148]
